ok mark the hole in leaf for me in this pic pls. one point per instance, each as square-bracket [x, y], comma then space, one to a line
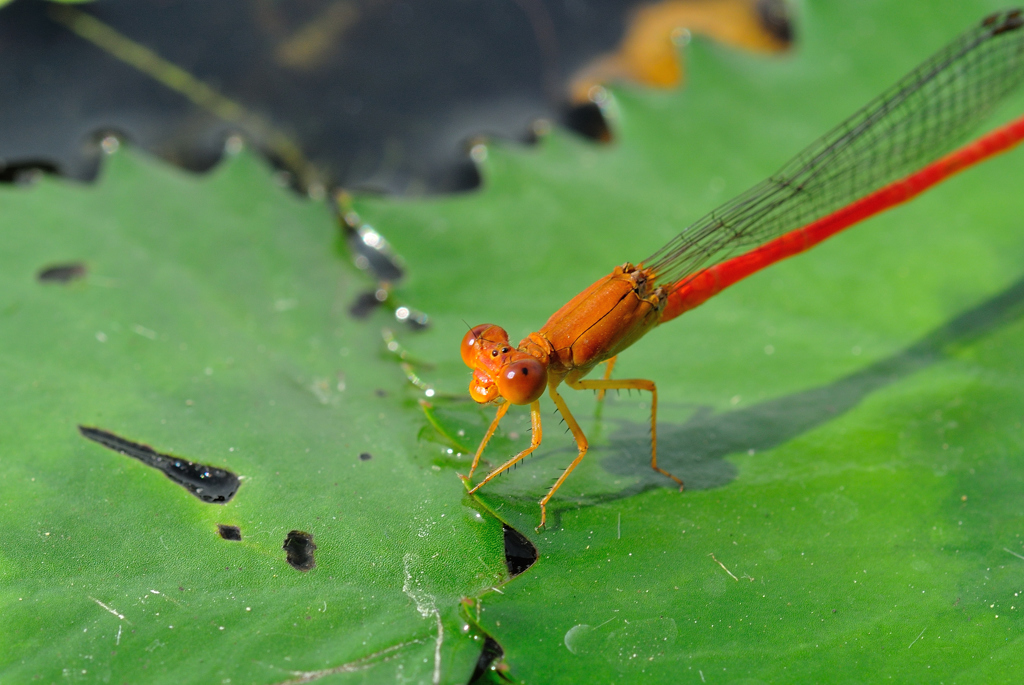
[299, 548]
[519, 552]
[62, 273]
[491, 652]
[208, 483]
[229, 532]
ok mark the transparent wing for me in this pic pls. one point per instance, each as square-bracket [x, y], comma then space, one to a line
[922, 117]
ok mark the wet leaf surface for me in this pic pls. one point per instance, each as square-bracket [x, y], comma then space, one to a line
[212, 324]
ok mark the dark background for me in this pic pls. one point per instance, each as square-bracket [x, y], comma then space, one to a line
[367, 94]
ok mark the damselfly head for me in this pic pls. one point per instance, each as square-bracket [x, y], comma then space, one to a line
[499, 368]
[483, 350]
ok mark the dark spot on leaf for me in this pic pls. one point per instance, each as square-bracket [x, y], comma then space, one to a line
[365, 456]
[491, 652]
[415, 320]
[61, 273]
[380, 393]
[299, 549]
[1012, 22]
[208, 483]
[370, 250]
[371, 253]
[229, 532]
[519, 552]
[364, 304]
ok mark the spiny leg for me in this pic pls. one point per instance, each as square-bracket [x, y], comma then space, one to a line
[502, 410]
[534, 443]
[581, 444]
[634, 384]
[599, 407]
[607, 376]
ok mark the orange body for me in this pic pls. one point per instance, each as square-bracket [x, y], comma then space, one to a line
[597, 324]
[593, 327]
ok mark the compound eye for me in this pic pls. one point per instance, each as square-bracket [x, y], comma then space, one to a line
[485, 332]
[522, 381]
